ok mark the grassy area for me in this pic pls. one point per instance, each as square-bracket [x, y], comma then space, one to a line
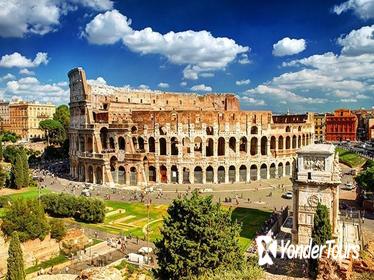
[350, 158]
[47, 264]
[251, 220]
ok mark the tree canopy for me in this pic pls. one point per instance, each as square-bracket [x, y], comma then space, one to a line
[321, 226]
[7, 136]
[63, 116]
[198, 236]
[366, 178]
[15, 264]
[54, 131]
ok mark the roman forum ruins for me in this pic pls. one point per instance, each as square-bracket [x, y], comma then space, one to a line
[137, 137]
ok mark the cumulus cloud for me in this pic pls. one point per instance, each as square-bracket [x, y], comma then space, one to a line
[362, 8]
[163, 85]
[243, 82]
[26, 72]
[244, 59]
[7, 77]
[201, 87]
[17, 60]
[358, 41]
[183, 84]
[144, 87]
[97, 81]
[199, 51]
[252, 101]
[207, 75]
[21, 17]
[30, 88]
[288, 46]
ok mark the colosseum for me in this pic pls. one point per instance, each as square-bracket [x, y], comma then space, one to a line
[132, 137]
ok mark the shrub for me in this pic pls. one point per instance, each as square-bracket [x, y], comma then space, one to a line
[58, 229]
[83, 209]
[15, 264]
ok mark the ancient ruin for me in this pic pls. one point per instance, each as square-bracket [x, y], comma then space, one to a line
[137, 137]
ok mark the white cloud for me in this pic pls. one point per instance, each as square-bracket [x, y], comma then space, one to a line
[244, 59]
[200, 51]
[21, 17]
[358, 41]
[27, 72]
[252, 101]
[17, 60]
[183, 84]
[201, 87]
[144, 87]
[30, 88]
[207, 75]
[7, 77]
[163, 85]
[288, 46]
[97, 81]
[362, 8]
[243, 82]
[349, 100]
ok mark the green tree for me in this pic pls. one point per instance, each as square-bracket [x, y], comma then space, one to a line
[366, 178]
[25, 168]
[3, 176]
[198, 236]
[54, 131]
[17, 174]
[8, 136]
[27, 217]
[63, 116]
[1, 150]
[15, 264]
[58, 229]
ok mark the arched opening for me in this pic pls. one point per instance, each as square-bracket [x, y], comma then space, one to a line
[288, 142]
[254, 130]
[198, 146]
[89, 144]
[198, 175]
[174, 146]
[152, 174]
[280, 170]
[209, 174]
[163, 174]
[280, 143]
[99, 175]
[141, 144]
[186, 145]
[294, 142]
[243, 173]
[162, 146]
[273, 171]
[133, 177]
[174, 174]
[232, 145]
[288, 169]
[243, 145]
[135, 142]
[121, 175]
[303, 140]
[273, 144]
[151, 145]
[253, 172]
[263, 171]
[299, 141]
[111, 143]
[307, 139]
[221, 174]
[104, 138]
[221, 146]
[121, 143]
[81, 144]
[209, 147]
[134, 130]
[90, 174]
[113, 166]
[232, 174]
[209, 130]
[288, 129]
[186, 175]
[254, 146]
[81, 172]
[264, 146]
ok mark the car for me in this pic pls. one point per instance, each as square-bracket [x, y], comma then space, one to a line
[287, 195]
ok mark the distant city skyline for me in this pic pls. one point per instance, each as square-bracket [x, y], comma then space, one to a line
[314, 56]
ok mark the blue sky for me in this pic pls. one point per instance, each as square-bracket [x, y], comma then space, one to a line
[278, 55]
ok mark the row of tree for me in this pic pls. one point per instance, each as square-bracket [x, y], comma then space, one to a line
[366, 178]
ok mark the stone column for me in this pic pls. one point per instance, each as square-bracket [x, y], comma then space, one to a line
[158, 178]
[276, 147]
[259, 146]
[203, 173]
[168, 174]
[268, 151]
[168, 147]
[267, 171]
[192, 177]
[259, 172]
[215, 175]
[227, 174]
[157, 147]
[237, 174]
[180, 175]
[215, 148]
[203, 148]
[94, 175]
[127, 176]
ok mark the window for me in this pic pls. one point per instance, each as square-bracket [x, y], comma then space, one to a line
[309, 175]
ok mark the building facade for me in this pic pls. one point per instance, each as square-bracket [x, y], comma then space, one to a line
[25, 117]
[319, 127]
[371, 129]
[316, 181]
[122, 136]
[363, 127]
[341, 126]
[4, 115]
